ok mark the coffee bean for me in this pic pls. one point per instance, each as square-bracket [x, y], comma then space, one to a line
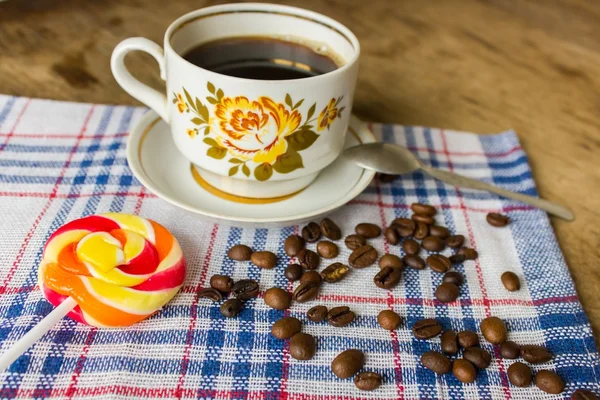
[447, 292]
[426, 219]
[293, 244]
[549, 382]
[439, 231]
[367, 380]
[478, 357]
[449, 342]
[293, 272]
[311, 232]
[347, 363]
[367, 230]
[457, 258]
[340, 316]
[519, 374]
[426, 328]
[222, 283]
[306, 292]
[424, 209]
[510, 350]
[239, 252]
[327, 249]
[353, 242]
[497, 220]
[439, 263]
[335, 272]
[245, 289]
[453, 277]
[230, 308]
[436, 362]
[286, 327]
[363, 256]
[413, 261]
[404, 227]
[411, 246]
[464, 371]
[303, 346]
[421, 231]
[264, 259]
[388, 277]
[210, 293]
[390, 260]
[277, 298]
[308, 259]
[330, 229]
[386, 178]
[317, 313]
[468, 339]
[535, 354]
[494, 330]
[389, 320]
[469, 253]
[311, 276]
[433, 243]
[455, 241]
[391, 235]
[511, 282]
[583, 394]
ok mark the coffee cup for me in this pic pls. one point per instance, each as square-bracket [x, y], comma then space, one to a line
[258, 96]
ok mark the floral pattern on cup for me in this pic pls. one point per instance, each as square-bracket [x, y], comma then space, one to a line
[261, 134]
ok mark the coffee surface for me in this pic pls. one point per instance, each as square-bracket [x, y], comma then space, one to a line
[264, 58]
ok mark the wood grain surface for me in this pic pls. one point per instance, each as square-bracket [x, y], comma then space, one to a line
[480, 66]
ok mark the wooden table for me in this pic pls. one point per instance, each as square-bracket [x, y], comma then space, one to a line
[480, 66]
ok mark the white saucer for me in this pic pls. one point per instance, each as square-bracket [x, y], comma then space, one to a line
[158, 165]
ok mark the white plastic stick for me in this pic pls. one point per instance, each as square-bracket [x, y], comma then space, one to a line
[36, 332]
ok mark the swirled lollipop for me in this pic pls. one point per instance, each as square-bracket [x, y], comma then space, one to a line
[107, 270]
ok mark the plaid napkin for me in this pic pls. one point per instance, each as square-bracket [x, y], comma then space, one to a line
[61, 161]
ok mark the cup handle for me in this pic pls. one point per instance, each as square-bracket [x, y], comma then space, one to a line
[144, 93]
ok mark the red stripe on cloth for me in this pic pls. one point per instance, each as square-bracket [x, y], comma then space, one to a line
[486, 302]
[14, 127]
[466, 153]
[75, 195]
[194, 314]
[138, 205]
[63, 135]
[390, 304]
[36, 222]
[81, 362]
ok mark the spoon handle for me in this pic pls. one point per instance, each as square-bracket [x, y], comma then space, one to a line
[463, 181]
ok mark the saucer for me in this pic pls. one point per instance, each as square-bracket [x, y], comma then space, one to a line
[158, 165]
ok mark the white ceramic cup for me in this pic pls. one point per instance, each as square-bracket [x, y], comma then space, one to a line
[297, 127]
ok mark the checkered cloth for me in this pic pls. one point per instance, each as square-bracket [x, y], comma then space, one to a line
[61, 161]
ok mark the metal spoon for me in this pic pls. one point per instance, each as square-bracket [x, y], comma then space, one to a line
[396, 160]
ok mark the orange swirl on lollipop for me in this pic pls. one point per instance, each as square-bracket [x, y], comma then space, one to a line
[119, 268]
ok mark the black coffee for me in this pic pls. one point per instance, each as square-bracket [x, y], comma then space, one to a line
[255, 57]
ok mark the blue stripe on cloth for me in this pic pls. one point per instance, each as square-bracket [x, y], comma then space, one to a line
[8, 106]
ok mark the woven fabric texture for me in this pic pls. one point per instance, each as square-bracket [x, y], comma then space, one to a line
[61, 161]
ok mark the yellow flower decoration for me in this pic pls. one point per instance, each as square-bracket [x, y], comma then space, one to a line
[192, 132]
[181, 104]
[327, 116]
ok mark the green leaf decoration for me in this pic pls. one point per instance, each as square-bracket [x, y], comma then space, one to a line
[298, 104]
[211, 142]
[311, 111]
[220, 94]
[210, 87]
[190, 102]
[245, 170]
[206, 130]
[263, 172]
[339, 114]
[175, 100]
[197, 121]
[233, 170]
[216, 152]
[288, 99]
[302, 140]
[290, 161]
[212, 100]
[235, 161]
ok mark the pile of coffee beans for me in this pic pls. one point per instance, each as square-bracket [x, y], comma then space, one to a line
[222, 285]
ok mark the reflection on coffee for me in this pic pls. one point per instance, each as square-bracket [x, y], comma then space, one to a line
[264, 58]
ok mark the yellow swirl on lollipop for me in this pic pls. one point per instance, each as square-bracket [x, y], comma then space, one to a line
[119, 268]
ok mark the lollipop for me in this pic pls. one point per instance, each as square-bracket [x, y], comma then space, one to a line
[107, 270]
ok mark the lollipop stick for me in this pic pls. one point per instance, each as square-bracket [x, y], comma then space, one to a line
[36, 332]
